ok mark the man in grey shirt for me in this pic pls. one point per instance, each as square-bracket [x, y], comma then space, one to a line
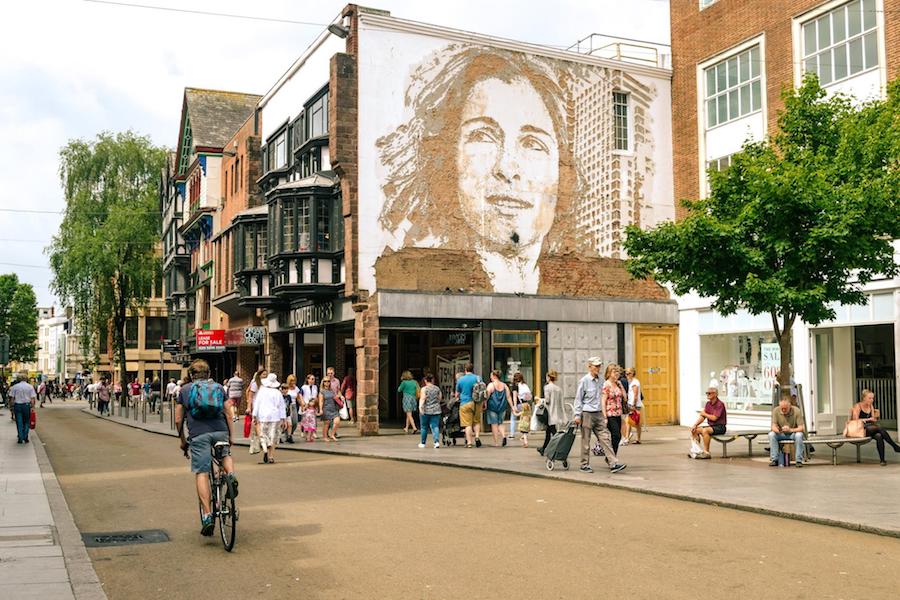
[590, 414]
[23, 397]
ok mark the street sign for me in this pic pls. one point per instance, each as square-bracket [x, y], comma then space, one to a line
[4, 349]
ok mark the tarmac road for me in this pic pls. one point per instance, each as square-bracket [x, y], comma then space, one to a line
[322, 526]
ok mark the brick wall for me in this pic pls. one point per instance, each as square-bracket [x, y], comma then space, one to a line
[701, 34]
[342, 147]
[366, 336]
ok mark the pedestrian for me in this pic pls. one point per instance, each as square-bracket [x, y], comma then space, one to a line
[23, 398]
[590, 415]
[865, 412]
[253, 388]
[430, 400]
[155, 394]
[632, 422]
[310, 411]
[499, 399]
[102, 396]
[553, 408]
[268, 415]
[409, 393]
[117, 391]
[293, 401]
[521, 399]
[134, 391]
[41, 392]
[170, 391]
[235, 389]
[330, 406]
[146, 388]
[613, 399]
[348, 389]
[470, 395]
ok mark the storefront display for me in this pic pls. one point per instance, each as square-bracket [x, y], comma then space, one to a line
[744, 367]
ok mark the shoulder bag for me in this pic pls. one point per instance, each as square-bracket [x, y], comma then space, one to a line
[855, 429]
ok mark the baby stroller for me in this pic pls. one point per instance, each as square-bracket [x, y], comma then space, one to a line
[559, 446]
[450, 428]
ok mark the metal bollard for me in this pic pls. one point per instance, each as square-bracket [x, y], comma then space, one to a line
[162, 410]
[172, 414]
[144, 406]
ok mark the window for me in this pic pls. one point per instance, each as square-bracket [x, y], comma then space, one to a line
[280, 151]
[719, 164]
[842, 42]
[743, 367]
[131, 333]
[733, 87]
[155, 328]
[288, 233]
[226, 184]
[303, 225]
[261, 249]
[620, 121]
[318, 117]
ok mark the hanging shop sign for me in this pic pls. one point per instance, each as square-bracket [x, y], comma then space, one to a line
[304, 317]
[245, 336]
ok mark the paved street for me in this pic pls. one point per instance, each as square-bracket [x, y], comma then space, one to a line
[347, 527]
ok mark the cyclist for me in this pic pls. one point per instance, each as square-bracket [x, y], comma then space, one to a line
[204, 433]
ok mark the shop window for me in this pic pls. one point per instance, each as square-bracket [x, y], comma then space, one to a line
[743, 366]
[516, 352]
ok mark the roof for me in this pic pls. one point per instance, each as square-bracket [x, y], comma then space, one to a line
[320, 179]
[216, 115]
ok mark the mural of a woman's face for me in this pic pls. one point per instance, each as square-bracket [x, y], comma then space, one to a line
[507, 158]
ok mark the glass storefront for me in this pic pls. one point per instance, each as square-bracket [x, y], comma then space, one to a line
[743, 366]
[517, 352]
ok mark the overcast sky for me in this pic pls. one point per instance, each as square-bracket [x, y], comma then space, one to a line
[72, 68]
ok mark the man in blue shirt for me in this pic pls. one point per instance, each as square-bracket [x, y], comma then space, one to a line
[469, 407]
[590, 415]
[22, 398]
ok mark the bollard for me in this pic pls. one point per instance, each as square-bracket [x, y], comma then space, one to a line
[144, 407]
[172, 415]
[162, 410]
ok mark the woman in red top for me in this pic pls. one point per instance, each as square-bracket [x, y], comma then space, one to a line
[613, 397]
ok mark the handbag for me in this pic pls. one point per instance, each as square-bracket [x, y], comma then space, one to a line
[344, 413]
[33, 421]
[255, 446]
[248, 423]
[853, 429]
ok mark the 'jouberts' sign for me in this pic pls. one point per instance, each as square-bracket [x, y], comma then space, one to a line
[311, 315]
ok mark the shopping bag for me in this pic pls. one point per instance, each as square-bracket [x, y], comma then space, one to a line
[696, 449]
[33, 422]
[536, 424]
[248, 424]
[255, 446]
[344, 413]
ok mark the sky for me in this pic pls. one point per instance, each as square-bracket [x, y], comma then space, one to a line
[70, 69]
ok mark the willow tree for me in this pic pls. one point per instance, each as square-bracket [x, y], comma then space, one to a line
[797, 222]
[104, 257]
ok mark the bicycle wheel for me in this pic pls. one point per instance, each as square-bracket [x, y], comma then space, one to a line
[227, 514]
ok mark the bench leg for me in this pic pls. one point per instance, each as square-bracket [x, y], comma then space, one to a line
[834, 456]
[858, 452]
[750, 446]
[724, 449]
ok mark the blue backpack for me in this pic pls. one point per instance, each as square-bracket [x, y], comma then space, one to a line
[206, 400]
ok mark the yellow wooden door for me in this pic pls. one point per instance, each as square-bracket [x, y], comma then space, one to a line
[656, 365]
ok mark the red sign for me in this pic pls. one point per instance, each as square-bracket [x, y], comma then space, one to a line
[210, 340]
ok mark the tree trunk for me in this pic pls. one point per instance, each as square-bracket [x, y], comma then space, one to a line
[119, 321]
[784, 335]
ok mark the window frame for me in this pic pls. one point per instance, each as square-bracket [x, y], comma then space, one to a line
[730, 90]
[629, 123]
[798, 43]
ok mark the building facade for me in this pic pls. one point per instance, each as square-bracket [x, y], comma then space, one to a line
[471, 209]
[731, 59]
[191, 201]
[51, 355]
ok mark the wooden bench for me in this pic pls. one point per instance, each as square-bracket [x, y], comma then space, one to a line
[729, 436]
[832, 441]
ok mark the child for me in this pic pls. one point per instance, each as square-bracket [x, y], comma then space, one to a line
[308, 422]
[524, 416]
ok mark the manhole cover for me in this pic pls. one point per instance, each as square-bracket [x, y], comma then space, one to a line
[124, 538]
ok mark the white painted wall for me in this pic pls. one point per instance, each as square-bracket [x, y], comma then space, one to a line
[285, 103]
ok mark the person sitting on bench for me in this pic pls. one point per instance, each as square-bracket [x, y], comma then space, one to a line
[787, 425]
[716, 419]
[865, 411]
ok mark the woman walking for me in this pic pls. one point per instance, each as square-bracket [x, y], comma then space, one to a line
[330, 404]
[409, 391]
[632, 418]
[293, 393]
[522, 402]
[499, 399]
[553, 408]
[268, 414]
[865, 411]
[430, 400]
[613, 396]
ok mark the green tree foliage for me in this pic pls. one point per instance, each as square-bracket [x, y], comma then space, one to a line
[104, 257]
[18, 318]
[797, 222]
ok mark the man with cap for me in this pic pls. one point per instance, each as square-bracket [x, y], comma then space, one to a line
[590, 415]
[716, 419]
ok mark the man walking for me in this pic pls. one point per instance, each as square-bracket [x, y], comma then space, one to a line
[469, 406]
[23, 398]
[590, 415]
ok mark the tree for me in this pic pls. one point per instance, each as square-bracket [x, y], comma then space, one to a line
[104, 257]
[797, 222]
[18, 318]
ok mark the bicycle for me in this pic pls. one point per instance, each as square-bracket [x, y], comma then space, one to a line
[222, 502]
